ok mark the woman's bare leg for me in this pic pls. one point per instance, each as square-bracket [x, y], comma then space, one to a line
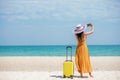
[81, 75]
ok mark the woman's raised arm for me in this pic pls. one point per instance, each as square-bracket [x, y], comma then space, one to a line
[92, 29]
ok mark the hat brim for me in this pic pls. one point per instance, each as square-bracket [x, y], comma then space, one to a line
[81, 29]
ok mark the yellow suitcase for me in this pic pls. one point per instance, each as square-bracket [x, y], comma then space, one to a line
[68, 66]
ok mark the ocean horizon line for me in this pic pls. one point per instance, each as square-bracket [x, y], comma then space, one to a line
[66, 45]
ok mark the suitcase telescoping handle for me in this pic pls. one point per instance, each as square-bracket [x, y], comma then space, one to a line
[67, 53]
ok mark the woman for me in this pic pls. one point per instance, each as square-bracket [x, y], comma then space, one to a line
[82, 58]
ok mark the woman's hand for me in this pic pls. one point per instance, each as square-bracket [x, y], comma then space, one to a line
[90, 24]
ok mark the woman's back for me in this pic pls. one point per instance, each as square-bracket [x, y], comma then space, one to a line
[82, 40]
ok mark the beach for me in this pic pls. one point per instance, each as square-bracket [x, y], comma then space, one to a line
[51, 68]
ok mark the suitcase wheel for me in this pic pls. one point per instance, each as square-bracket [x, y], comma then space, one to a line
[68, 77]
[71, 76]
[64, 76]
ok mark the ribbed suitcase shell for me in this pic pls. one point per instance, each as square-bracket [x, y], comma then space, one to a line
[68, 69]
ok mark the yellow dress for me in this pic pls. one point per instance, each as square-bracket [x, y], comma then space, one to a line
[82, 58]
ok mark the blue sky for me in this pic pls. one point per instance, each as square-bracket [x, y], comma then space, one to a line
[51, 22]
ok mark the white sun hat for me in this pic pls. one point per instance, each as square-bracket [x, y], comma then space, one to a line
[80, 28]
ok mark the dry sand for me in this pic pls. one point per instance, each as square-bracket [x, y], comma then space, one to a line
[51, 68]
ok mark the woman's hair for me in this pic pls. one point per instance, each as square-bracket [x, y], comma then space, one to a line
[80, 35]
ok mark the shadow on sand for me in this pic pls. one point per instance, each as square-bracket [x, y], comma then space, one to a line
[61, 76]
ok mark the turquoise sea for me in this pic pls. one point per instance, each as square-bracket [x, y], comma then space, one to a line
[57, 50]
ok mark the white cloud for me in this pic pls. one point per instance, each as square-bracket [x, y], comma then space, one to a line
[60, 9]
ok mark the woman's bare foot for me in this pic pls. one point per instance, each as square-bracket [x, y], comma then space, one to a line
[84, 76]
[91, 75]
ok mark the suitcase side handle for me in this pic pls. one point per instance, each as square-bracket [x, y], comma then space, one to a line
[67, 53]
